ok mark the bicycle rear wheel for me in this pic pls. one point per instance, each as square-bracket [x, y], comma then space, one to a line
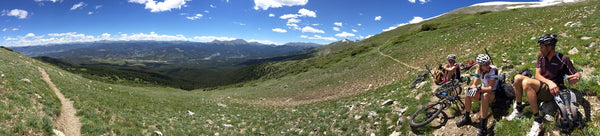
[425, 115]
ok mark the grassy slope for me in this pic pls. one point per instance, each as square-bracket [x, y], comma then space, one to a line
[22, 112]
[321, 93]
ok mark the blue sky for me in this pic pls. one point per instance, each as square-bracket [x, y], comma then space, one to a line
[35, 22]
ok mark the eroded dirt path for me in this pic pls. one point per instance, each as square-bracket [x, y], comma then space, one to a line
[403, 63]
[67, 122]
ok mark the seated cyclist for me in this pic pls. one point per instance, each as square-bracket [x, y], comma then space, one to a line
[549, 71]
[488, 75]
[451, 69]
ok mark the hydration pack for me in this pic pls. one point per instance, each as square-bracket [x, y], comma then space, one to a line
[505, 95]
[568, 117]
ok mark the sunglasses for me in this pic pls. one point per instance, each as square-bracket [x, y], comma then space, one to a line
[486, 64]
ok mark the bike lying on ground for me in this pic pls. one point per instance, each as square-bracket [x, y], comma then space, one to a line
[449, 94]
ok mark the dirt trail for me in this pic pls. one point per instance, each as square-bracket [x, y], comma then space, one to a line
[67, 122]
[403, 63]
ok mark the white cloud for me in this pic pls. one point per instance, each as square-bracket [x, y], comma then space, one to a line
[264, 42]
[105, 36]
[78, 6]
[344, 34]
[98, 6]
[338, 24]
[53, 1]
[317, 24]
[416, 20]
[293, 21]
[266, 4]
[377, 18]
[318, 37]
[279, 30]
[301, 13]
[359, 24]
[421, 1]
[19, 13]
[239, 23]
[271, 15]
[354, 30]
[166, 5]
[29, 35]
[394, 27]
[305, 12]
[31, 39]
[294, 26]
[212, 38]
[336, 29]
[212, 6]
[194, 17]
[4, 30]
[89, 13]
[15, 29]
[311, 30]
[206, 11]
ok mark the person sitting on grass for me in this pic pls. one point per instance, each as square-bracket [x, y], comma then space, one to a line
[488, 75]
[451, 69]
[549, 71]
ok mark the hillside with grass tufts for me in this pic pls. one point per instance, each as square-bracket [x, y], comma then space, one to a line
[339, 90]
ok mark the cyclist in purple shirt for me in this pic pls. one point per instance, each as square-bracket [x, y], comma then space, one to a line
[549, 71]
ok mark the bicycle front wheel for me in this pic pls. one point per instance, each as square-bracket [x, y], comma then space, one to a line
[425, 115]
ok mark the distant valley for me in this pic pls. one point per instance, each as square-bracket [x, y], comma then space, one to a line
[178, 64]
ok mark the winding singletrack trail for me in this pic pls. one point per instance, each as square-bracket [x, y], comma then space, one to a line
[67, 122]
[403, 63]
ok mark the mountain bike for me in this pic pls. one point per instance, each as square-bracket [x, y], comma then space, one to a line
[449, 94]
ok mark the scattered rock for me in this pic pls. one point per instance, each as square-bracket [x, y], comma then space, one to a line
[209, 121]
[586, 38]
[158, 133]
[395, 133]
[420, 85]
[468, 50]
[573, 51]
[25, 80]
[262, 99]
[403, 110]
[38, 96]
[391, 127]
[222, 105]
[591, 45]
[227, 125]
[373, 134]
[387, 102]
[217, 134]
[372, 114]
[59, 133]
[400, 122]
[357, 117]
[262, 133]
[2, 75]
[189, 113]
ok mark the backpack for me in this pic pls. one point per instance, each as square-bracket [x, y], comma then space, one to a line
[568, 117]
[505, 95]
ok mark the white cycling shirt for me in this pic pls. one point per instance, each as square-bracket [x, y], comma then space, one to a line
[490, 75]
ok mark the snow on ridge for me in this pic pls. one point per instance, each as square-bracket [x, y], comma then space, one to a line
[543, 3]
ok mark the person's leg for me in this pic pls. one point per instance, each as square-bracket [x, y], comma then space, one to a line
[518, 107]
[486, 100]
[467, 118]
[531, 87]
[518, 83]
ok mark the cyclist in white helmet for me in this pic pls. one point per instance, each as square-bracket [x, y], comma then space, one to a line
[451, 69]
[487, 74]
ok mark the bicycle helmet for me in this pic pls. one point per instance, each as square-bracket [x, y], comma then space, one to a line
[482, 58]
[452, 57]
[548, 40]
